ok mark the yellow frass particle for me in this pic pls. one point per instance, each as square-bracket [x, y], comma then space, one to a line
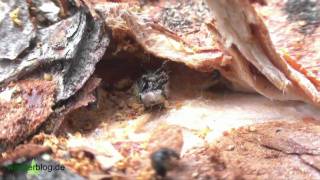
[204, 132]
[47, 77]
[14, 15]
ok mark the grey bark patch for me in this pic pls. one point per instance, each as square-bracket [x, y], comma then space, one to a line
[82, 66]
[71, 47]
[15, 38]
[307, 11]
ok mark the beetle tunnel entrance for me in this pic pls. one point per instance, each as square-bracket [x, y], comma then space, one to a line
[115, 94]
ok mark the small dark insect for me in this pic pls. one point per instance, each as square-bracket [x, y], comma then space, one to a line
[216, 75]
[214, 80]
[94, 105]
[162, 160]
[152, 88]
